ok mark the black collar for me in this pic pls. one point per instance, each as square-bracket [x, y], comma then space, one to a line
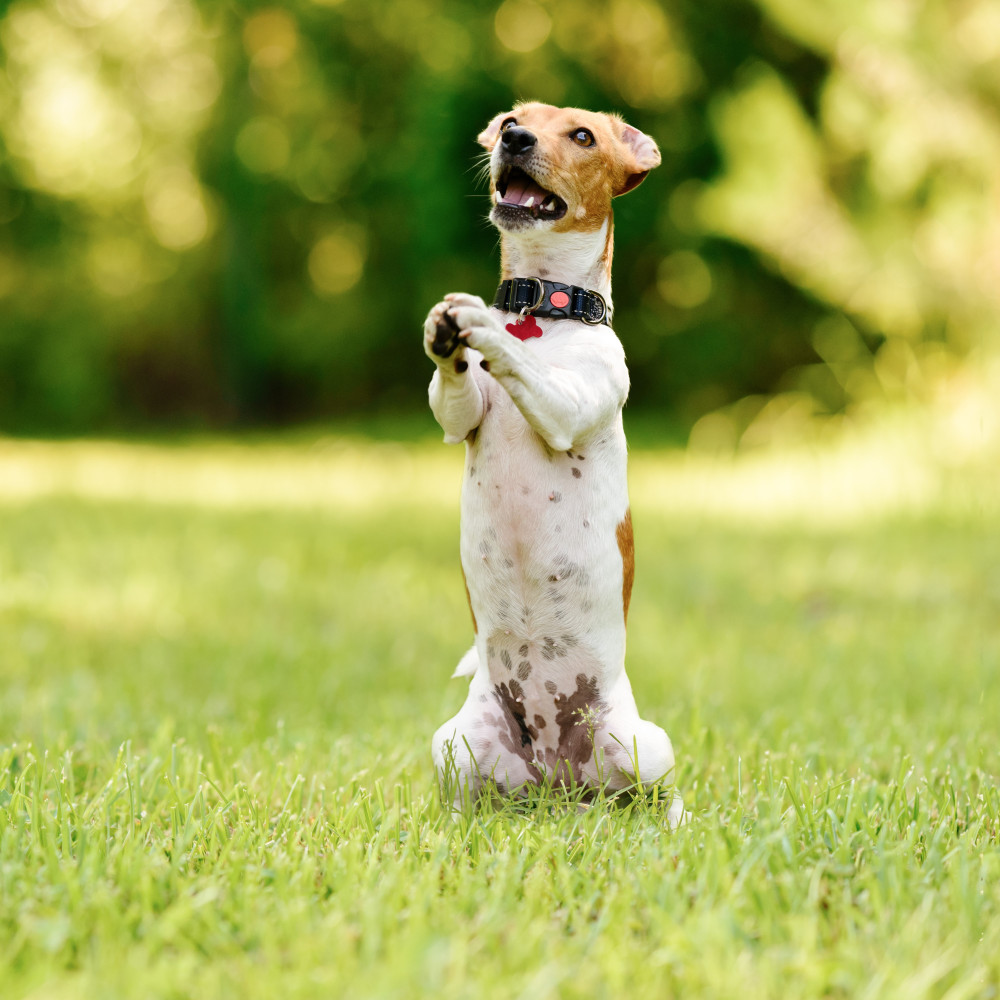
[534, 296]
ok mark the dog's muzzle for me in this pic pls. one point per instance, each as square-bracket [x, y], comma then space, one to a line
[519, 198]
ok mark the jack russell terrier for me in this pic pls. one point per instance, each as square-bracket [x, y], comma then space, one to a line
[534, 385]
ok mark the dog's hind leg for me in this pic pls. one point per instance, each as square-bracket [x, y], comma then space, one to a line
[635, 754]
[479, 747]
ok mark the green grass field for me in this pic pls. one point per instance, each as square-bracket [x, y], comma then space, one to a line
[221, 664]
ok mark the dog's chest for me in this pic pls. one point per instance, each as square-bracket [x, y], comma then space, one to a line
[518, 488]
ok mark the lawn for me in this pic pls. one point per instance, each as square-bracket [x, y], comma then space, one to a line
[221, 663]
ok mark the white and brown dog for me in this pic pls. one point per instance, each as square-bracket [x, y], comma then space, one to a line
[534, 386]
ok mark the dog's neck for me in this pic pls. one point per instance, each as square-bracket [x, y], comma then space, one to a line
[574, 258]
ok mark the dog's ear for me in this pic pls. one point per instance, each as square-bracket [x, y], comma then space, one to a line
[488, 137]
[640, 154]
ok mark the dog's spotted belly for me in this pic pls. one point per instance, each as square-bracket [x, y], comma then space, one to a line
[541, 597]
[541, 539]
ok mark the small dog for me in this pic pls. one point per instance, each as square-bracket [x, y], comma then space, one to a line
[534, 386]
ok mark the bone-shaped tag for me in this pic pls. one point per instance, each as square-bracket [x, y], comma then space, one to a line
[525, 328]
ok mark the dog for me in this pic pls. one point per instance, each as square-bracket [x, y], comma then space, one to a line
[534, 386]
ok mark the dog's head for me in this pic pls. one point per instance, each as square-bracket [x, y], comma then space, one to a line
[558, 168]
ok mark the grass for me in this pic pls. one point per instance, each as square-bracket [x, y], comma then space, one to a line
[221, 664]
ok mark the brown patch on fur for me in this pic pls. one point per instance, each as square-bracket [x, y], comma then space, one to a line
[626, 546]
[468, 597]
[577, 716]
[514, 732]
[552, 649]
[609, 249]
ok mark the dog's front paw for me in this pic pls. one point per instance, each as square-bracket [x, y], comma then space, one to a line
[441, 333]
[480, 328]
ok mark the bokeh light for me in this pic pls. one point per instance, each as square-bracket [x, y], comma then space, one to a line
[337, 260]
[176, 208]
[684, 279]
[522, 25]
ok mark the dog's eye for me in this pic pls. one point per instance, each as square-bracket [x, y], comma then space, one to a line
[507, 123]
[582, 137]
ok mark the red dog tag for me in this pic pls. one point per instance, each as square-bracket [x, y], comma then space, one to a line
[525, 328]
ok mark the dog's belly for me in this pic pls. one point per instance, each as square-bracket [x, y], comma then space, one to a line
[543, 553]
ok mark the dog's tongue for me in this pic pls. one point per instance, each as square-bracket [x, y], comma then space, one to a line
[521, 188]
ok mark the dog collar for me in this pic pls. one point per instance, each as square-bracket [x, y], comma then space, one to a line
[552, 300]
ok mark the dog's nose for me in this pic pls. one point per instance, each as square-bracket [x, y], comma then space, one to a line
[517, 140]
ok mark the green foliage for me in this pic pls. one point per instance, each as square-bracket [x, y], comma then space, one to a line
[222, 666]
[241, 212]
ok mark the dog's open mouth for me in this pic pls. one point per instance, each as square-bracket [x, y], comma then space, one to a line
[517, 190]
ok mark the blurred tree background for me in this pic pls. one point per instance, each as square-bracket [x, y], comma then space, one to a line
[223, 213]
